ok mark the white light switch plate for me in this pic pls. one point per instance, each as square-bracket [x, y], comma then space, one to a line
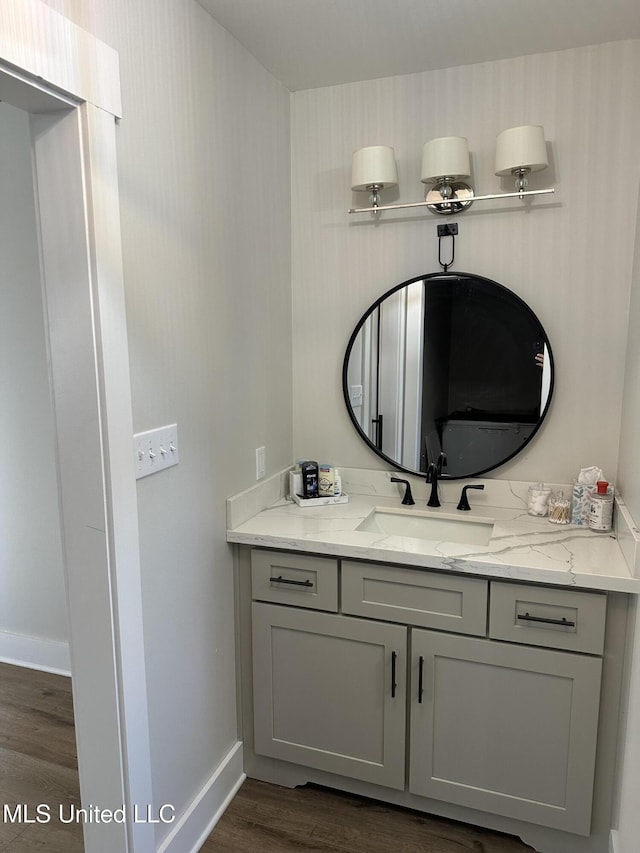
[155, 450]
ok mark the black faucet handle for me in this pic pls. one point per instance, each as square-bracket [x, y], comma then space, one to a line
[464, 500]
[407, 500]
[433, 475]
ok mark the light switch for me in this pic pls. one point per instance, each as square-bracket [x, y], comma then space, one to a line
[155, 450]
[355, 395]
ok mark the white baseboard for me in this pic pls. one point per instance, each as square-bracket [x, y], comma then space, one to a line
[191, 831]
[35, 653]
[614, 842]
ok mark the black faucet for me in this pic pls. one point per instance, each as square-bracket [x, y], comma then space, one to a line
[433, 473]
[464, 500]
[407, 500]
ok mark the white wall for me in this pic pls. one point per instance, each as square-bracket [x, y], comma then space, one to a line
[33, 614]
[204, 180]
[569, 256]
[629, 464]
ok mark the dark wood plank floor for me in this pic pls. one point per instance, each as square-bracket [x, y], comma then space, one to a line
[38, 763]
[271, 819]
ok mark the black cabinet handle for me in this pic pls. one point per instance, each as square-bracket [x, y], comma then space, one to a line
[393, 675]
[420, 682]
[280, 579]
[562, 621]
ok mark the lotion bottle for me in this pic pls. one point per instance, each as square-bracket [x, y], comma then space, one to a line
[601, 508]
[325, 480]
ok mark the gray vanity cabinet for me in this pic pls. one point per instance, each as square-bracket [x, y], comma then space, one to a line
[505, 729]
[447, 688]
[330, 692]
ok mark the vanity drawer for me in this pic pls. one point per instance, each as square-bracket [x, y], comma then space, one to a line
[538, 616]
[414, 597]
[297, 579]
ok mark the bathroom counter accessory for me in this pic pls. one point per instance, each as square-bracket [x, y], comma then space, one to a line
[327, 500]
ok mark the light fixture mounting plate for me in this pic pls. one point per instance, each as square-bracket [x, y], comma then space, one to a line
[461, 199]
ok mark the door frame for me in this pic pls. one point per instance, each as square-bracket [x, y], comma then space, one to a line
[68, 81]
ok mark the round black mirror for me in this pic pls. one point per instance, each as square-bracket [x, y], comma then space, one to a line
[449, 366]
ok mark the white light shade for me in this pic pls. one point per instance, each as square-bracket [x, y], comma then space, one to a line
[445, 157]
[374, 165]
[521, 148]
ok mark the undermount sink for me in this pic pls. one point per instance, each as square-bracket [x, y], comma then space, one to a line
[423, 525]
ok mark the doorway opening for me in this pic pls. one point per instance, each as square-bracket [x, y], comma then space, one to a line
[67, 83]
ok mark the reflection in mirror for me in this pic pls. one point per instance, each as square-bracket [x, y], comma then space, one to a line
[448, 363]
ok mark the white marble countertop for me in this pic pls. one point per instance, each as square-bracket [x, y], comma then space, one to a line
[522, 547]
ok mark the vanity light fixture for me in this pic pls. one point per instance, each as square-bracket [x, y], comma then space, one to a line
[446, 168]
[445, 163]
[519, 151]
[373, 169]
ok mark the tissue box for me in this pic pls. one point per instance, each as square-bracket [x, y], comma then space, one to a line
[580, 501]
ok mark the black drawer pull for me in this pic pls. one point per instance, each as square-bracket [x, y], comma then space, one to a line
[280, 579]
[420, 685]
[393, 675]
[562, 621]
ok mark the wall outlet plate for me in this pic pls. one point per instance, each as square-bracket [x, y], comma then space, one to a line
[155, 450]
[261, 462]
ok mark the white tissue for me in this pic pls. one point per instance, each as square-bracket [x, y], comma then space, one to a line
[589, 476]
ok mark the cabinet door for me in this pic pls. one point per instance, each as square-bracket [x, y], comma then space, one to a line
[505, 729]
[330, 692]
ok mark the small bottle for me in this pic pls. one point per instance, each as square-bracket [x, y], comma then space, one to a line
[325, 481]
[309, 471]
[601, 508]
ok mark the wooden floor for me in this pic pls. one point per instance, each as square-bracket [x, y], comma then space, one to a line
[268, 819]
[38, 763]
[38, 766]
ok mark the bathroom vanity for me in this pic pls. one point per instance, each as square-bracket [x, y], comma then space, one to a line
[480, 682]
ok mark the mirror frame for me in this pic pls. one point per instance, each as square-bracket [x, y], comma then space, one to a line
[440, 275]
